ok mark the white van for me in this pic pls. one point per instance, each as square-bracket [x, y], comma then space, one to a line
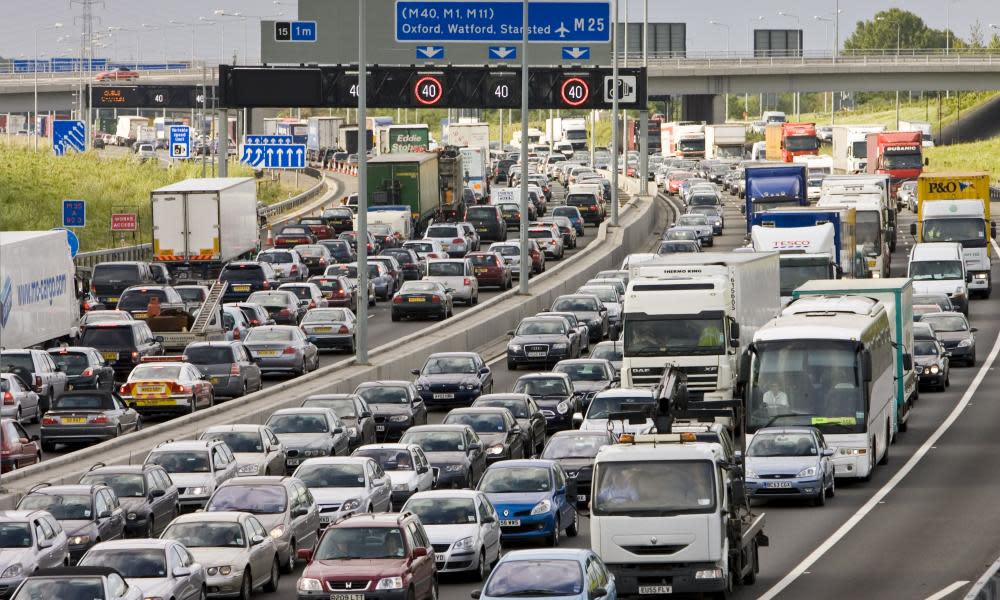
[939, 268]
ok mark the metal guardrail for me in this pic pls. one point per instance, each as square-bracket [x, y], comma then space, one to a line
[87, 260]
[995, 193]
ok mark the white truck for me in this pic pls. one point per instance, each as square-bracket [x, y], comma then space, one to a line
[476, 171]
[697, 311]
[806, 253]
[38, 299]
[572, 130]
[321, 135]
[201, 224]
[725, 140]
[870, 222]
[850, 147]
[127, 130]
[669, 515]
[927, 139]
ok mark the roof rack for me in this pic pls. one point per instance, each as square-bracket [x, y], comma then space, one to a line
[166, 441]
[38, 486]
[97, 465]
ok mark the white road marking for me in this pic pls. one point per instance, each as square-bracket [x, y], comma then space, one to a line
[995, 246]
[497, 359]
[948, 590]
[877, 498]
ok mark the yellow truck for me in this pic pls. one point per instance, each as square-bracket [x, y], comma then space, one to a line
[772, 140]
[955, 207]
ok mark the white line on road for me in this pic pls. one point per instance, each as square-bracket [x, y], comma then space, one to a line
[880, 495]
[947, 591]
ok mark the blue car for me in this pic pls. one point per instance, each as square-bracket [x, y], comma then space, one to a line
[576, 574]
[573, 214]
[790, 462]
[530, 497]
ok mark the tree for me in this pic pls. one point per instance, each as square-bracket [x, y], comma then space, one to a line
[880, 32]
[976, 36]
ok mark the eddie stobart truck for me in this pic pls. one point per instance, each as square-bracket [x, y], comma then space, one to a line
[430, 183]
[955, 207]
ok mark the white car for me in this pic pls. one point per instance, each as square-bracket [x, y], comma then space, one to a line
[462, 523]
[617, 400]
[287, 264]
[346, 485]
[145, 152]
[407, 466]
[452, 238]
[309, 294]
[511, 253]
[457, 274]
[425, 247]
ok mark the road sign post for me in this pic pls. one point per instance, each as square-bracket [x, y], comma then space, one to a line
[361, 347]
[614, 122]
[74, 213]
[526, 262]
[180, 141]
[274, 156]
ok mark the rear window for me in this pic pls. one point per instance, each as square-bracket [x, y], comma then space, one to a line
[9, 362]
[507, 250]
[269, 298]
[111, 338]
[242, 273]
[445, 269]
[83, 402]
[481, 213]
[310, 251]
[481, 260]
[209, 355]
[115, 273]
[441, 232]
[565, 211]
[301, 292]
[191, 294]
[536, 234]
[581, 199]
[139, 300]
[73, 362]
[276, 257]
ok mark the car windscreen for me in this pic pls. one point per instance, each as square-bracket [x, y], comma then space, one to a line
[111, 338]
[391, 459]
[384, 395]
[332, 475]
[342, 407]
[125, 485]
[208, 355]
[573, 446]
[64, 588]
[925, 348]
[541, 326]
[248, 442]
[254, 499]
[132, 563]
[298, 423]
[438, 365]
[436, 441]
[517, 407]
[15, 535]
[575, 305]
[583, 371]
[767, 444]
[946, 322]
[368, 543]
[443, 511]
[73, 363]
[610, 352]
[602, 406]
[507, 480]
[479, 422]
[535, 578]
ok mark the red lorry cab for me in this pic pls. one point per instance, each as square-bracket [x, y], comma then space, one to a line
[896, 154]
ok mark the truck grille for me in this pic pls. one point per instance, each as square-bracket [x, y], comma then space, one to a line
[701, 379]
[653, 550]
[646, 376]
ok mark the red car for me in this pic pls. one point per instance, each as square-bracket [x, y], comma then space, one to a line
[119, 74]
[318, 226]
[491, 269]
[17, 448]
[383, 556]
[675, 179]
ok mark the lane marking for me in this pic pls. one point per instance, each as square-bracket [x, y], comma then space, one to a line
[880, 495]
[947, 591]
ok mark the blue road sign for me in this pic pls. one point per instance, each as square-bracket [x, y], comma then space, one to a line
[68, 135]
[430, 52]
[74, 213]
[500, 21]
[503, 52]
[267, 139]
[295, 31]
[266, 156]
[72, 240]
[576, 53]
[180, 141]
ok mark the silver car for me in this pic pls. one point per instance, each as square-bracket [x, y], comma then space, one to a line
[282, 348]
[283, 505]
[346, 485]
[457, 274]
[29, 540]
[309, 432]
[20, 402]
[257, 450]
[196, 467]
[287, 264]
[330, 328]
[229, 366]
[309, 294]
[463, 528]
[235, 549]
[160, 568]
[701, 226]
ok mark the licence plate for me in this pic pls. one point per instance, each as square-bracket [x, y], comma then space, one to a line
[347, 597]
[324, 329]
[777, 484]
[294, 461]
[151, 390]
[480, 269]
[482, 229]
[241, 288]
[380, 428]
[511, 523]
[214, 380]
[73, 420]
[656, 589]
[110, 355]
[443, 396]
[325, 519]
[439, 557]
[140, 315]
[581, 498]
[417, 300]
[536, 355]
[154, 402]
[112, 299]
[267, 353]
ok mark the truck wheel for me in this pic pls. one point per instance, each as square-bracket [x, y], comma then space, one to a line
[751, 577]
[885, 457]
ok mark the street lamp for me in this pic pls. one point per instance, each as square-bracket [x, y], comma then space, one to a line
[203, 22]
[789, 15]
[826, 27]
[34, 68]
[750, 24]
[729, 32]
[947, 27]
[244, 18]
[898, 28]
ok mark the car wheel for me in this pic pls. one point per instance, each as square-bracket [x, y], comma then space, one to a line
[395, 317]
[19, 417]
[574, 528]
[511, 365]
[48, 446]
[150, 530]
[554, 538]
[37, 417]
[820, 499]
[482, 569]
[203, 595]
[246, 586]
[832, 490]
[243, 392]
[289, 565]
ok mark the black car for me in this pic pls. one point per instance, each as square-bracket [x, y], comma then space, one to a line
[588, 309]
[137, 300]
[408, 260]
[932, 364]
[85, 368]
[575, 452]
[454, 450]
[488, 221]
[122, 344]
[496, 427]
[589, 376]
[88, 513]
[954, 332]
[422, 299]
[525, 411]
[290, 236]
[354, 412]
[146, 492]
[590, 207]
[500, 171]
[541, 341]
[396, 406]
[339, 219]
[453, 378]
[392, 267]
[554, 394]
[282, 305]
[110, 279]
[340, 251]
[245, 278]
[580, 330]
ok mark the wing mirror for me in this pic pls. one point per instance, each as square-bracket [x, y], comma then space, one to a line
[577, 420]
[419, 551]
[414, 371]
[305, 554]
[829, 451]
[476, 447]
[181, 572]
[106, 514]
[157, 493]
[257, 539]
[158, 339]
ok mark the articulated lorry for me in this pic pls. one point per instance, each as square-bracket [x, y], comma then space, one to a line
[897, 154]
[683, 139]
[572, 130]
[850, 147]
[725, 141]
[871, 224]
[847, 257]
[897, 297]
[696, 311]
[857, 183]
[395, 139]
[127, 129]
[926, 136]
[787, 140]
[321, 136]
[430, 183]
[955, 207]
[38, 290]
[771, 186]
[201, 224]
[347, 139]
[805, 253]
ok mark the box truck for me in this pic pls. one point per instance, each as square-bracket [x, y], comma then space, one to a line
[127, 130]
[321, 135]
[927, 140]
[806, 253]
[786, 140]
[38, 299]
[427, 182]
[347, 139]
[771, 186]
[725, 141]
[201, 224]
[402, 138]
[850, 147]
[896, 154]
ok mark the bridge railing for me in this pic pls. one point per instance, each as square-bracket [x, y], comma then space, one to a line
[814, 57]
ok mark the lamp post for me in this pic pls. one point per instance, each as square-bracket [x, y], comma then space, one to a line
[729, 31]
[826, 29]
[753, 21]
[34, 68]
[798, 23]
[202, 22]
[245, 17]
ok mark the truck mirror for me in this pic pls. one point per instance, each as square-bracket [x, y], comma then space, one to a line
[907, 362]
[866, 366]
[968, 278]
[734, 334]
[913, 229]
[739, 494]
[993, 230]
[927, 162]
[744, 370]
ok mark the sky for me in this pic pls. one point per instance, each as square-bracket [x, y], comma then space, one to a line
[22, 19]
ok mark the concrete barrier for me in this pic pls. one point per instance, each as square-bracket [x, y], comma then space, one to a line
[472, 329]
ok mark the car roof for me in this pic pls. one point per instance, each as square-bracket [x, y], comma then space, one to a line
[136, 469]
[576, 554]
[68, 349]
[478, 409]
[18, 516]
[524, 462]
[229, 516]
[336, 460]
[626, 393]
[75, 572]
[372, 520]
[454, 354]
[456, 427]
[186, 445]
[137, 543]
[389, 446]
[548, 375]
[235, 427]
[297, 410]
[69, 488]
[385, 382]
[464, 493]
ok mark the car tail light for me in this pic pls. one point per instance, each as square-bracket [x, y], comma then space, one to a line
[435, 299]
[50, 421]
[288, 350]
[125, 388]
[93, 288]
[135, 357]
[266, 285]
[254, 322]
[88, 372]
[236, 333]
[8, 398]
[38, 383]
[409, 266]
[552, 242]
[294, 269]
[312, 304]
[234, 369]
[466, 281]
[458, 241]
[343, 329]
[284, 312]
[179, 388]
[341, 293]
[99, 420]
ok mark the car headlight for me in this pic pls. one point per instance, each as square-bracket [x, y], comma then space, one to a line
[980, 276]
[389, 583]
[559, 346]
[562, 408]
[400, 487]
[494, 450]
[251, 469]
[935, 369]
[352, 504]
[277, 532]
[399, 419]
[78, 540]
[513, 347]
[224, 570]
[853, 451]
[421, 387]
[195, 491]
[749, 473]
[17, 570]
[542, 507]
[309, 585]
[595, 323]
[965, 343]
[807, 472]
[131, 516]
[464, 544]
[454, 468]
